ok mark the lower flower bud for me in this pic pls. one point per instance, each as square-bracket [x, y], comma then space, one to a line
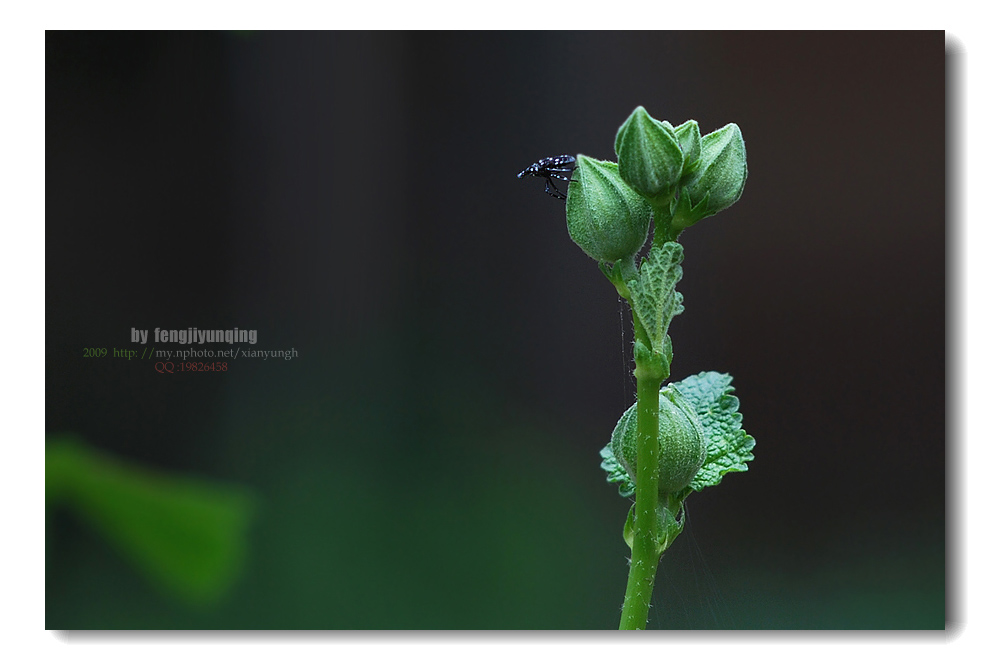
[682, 442]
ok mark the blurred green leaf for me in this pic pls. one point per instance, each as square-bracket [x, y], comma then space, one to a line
[188, 536]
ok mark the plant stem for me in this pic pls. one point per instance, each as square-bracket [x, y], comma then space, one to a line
[663, 230]
[645, 554]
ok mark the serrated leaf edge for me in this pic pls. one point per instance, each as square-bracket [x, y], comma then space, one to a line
[616, 474]
[654, 297]
[739, 449]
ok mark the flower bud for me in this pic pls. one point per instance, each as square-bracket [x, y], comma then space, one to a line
[650, 159]
[718, 181]
[670, 524]
[682, 442]
[689, 137]
[605, 217]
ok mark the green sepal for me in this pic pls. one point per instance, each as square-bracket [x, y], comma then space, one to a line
[667, 351]
[629, 529]
[650, 364]
[654, 299]
[669, 524]
[614, 275]
[686, 213]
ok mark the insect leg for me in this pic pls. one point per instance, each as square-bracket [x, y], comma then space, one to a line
[556, 193]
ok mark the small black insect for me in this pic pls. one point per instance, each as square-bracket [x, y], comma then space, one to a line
[550, 168]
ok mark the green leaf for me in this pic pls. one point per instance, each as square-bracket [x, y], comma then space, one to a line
[616, 473]
[729, 446]
[188, 536]
[654, 299]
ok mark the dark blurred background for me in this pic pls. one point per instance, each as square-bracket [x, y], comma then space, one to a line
[430, 460]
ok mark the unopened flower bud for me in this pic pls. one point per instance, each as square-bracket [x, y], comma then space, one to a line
[682, 442]
[689, 138]
[718, 181]
[650, 159]
[605, 217]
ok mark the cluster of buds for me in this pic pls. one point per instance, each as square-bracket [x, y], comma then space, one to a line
[673, 174]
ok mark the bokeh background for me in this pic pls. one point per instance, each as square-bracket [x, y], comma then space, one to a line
[430, 460]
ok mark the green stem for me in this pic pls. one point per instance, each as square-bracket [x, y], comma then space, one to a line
[645, 551]
[663, 229]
